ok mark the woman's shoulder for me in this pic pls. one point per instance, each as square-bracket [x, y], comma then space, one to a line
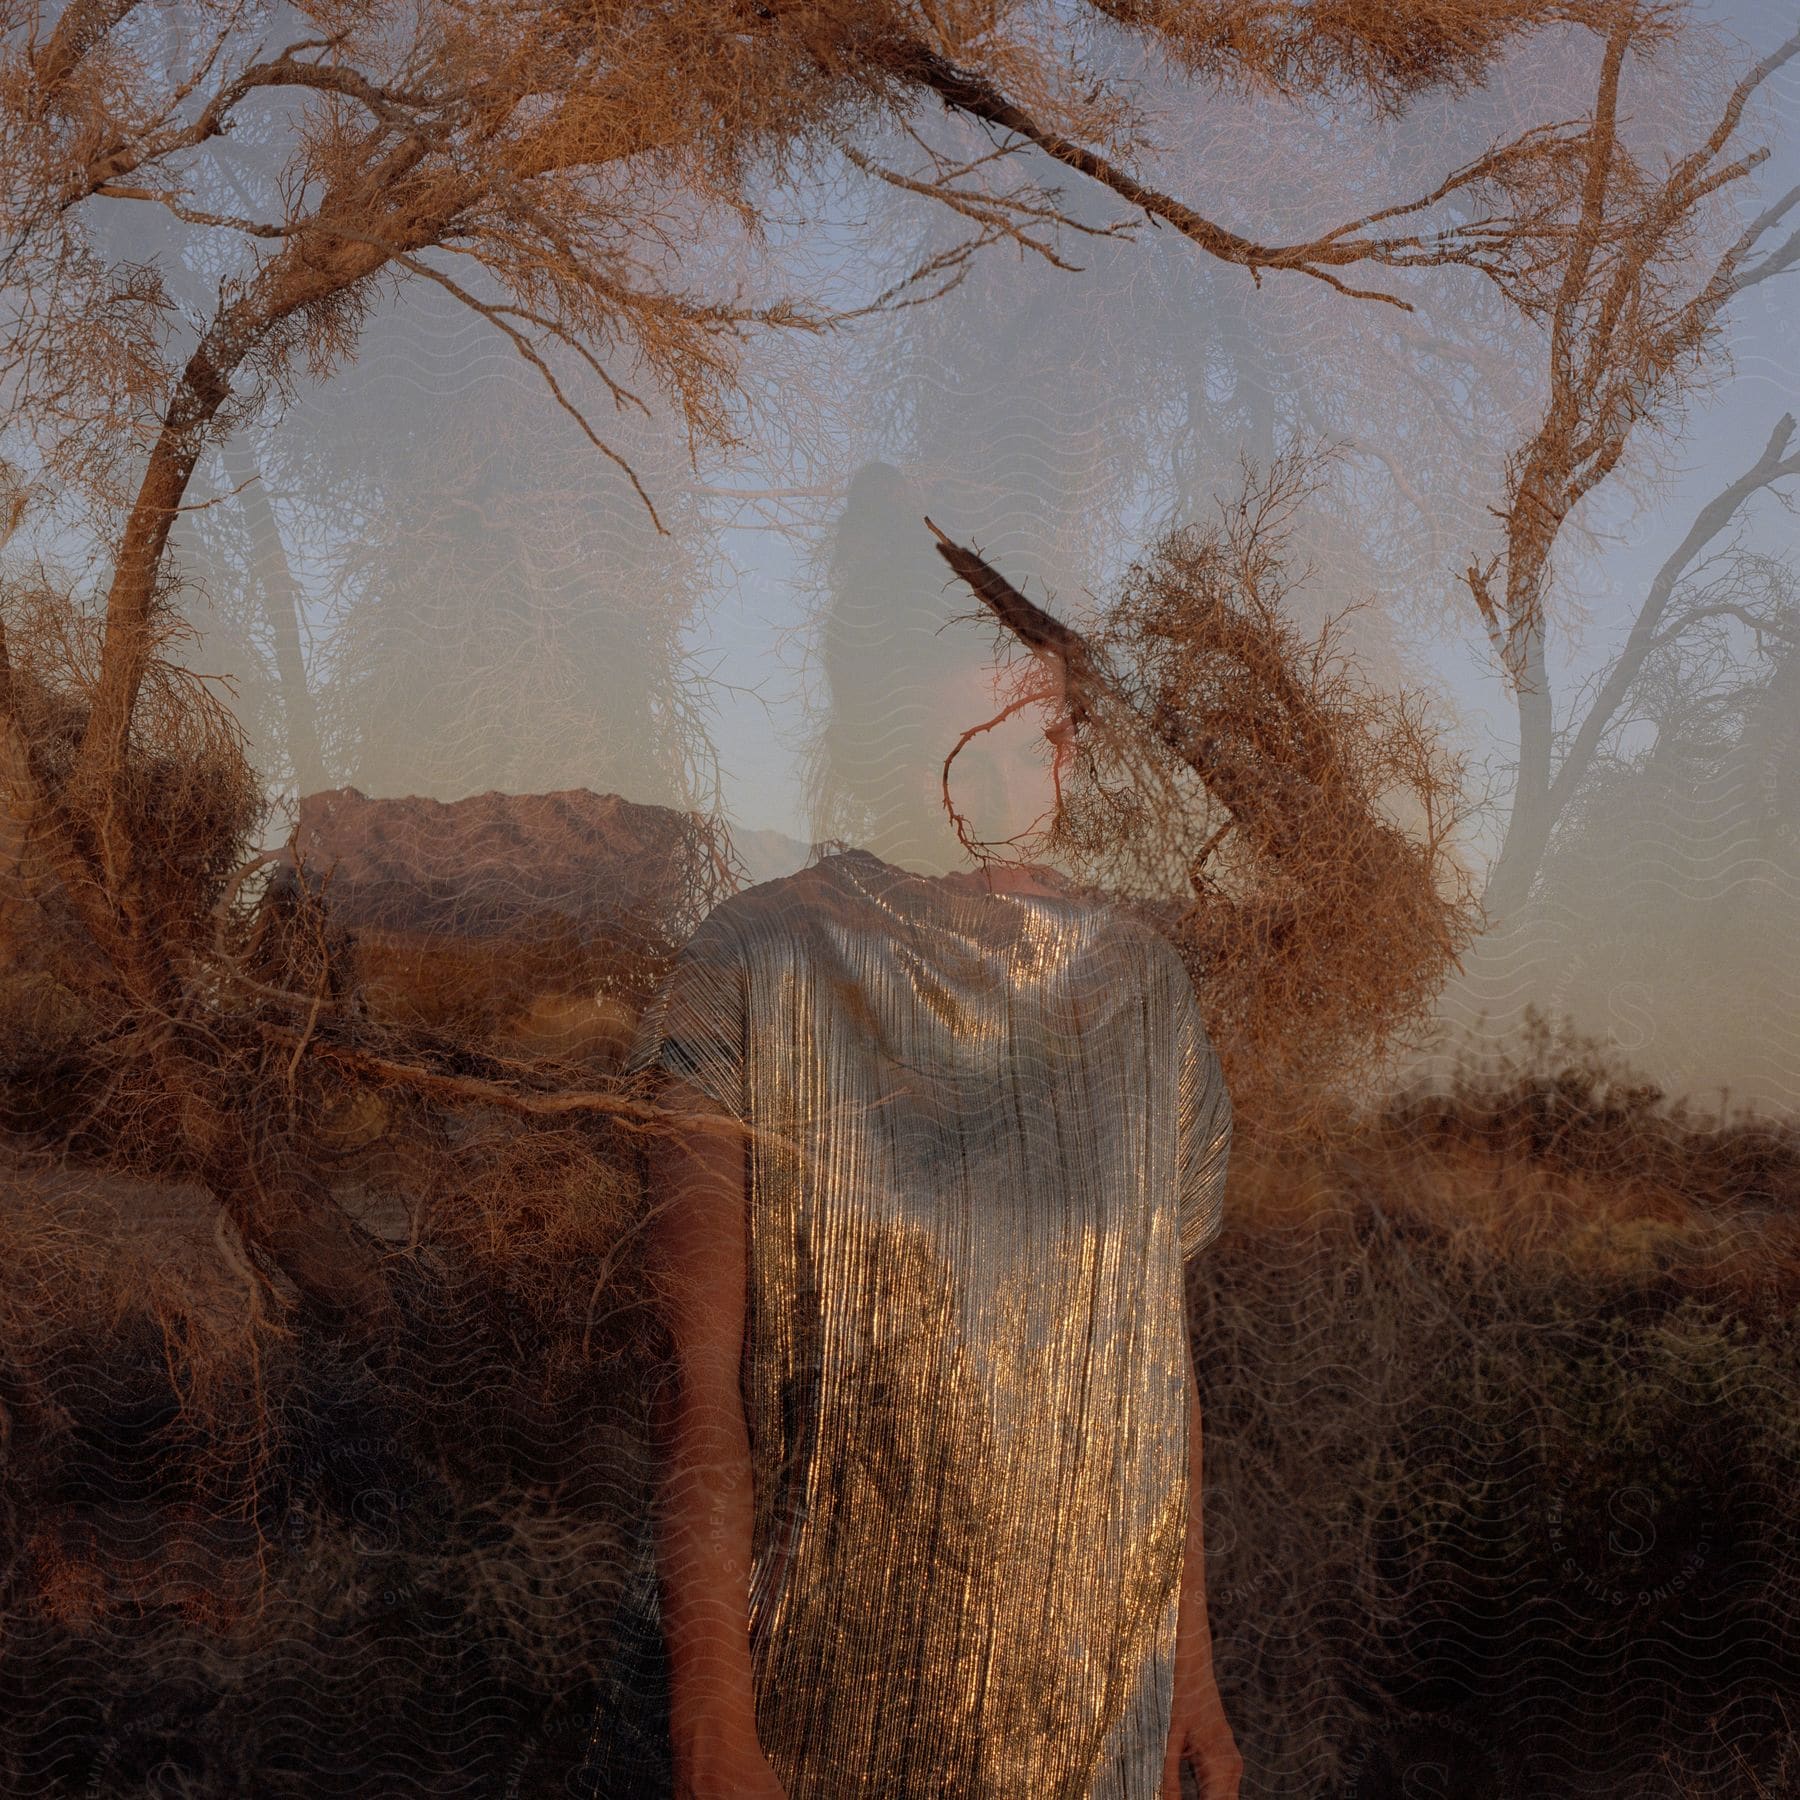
[851, 888]
[1134, 942]
[780, 903]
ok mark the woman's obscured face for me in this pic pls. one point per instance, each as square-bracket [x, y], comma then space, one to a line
[1003, 780]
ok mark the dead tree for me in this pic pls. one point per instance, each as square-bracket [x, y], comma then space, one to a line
[536, 162]
[1625, 339]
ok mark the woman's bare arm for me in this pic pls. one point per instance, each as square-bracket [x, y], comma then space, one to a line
[1199, 1727]
[1193, 1642]
[706, 1516]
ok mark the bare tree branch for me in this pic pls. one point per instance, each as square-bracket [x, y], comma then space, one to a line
[1770, 467]
[1490, 244]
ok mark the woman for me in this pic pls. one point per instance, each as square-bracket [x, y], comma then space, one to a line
[929, 1518]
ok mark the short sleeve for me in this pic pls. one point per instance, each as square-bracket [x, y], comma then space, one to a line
[695, 1025]
[1204, 1128]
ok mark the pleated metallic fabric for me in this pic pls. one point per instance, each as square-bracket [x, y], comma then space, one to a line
[991, 1128]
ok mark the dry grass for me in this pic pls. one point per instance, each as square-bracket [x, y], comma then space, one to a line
[1500, 1389]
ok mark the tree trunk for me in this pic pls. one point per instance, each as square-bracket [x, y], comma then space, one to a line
[1528, 829]
[285, 1214]
[1539, 801]
[281, 606]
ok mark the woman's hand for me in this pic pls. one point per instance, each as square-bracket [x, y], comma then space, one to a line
[737, 1767]
[1201, 1737]
[1198, 1732]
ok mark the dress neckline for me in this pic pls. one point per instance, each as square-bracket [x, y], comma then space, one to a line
[977, 902]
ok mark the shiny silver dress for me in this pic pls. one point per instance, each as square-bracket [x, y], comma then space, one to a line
[991, 1129]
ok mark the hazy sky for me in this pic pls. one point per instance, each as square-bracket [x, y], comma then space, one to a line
[431, 376]
[484, 600]
[741, 633]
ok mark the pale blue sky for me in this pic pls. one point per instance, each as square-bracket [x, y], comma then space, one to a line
[745, 634]
[1722, 434]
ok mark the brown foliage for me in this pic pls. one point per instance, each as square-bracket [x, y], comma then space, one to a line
[1380, 55]
[1625, 337]
[185, 802]
[228, 1036]
[1242, 786]
[560, 170]
[1506, 1306]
